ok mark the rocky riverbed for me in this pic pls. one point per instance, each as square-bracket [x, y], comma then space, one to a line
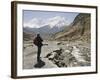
[57, 54]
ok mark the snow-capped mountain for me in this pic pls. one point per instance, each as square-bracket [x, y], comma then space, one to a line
[56, 21]
[33, 23]
[46, 27]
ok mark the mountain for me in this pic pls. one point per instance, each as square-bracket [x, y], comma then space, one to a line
[79, 29]
[28, 34]
[46, 28]
[56, 21]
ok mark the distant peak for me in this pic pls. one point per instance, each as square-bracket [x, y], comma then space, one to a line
[56, 21]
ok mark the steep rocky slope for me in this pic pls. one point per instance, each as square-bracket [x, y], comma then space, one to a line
[78, 30]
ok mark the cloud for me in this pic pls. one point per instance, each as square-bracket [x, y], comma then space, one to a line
[33, 23]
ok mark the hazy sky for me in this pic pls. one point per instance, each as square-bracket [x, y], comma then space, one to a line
[28, 15]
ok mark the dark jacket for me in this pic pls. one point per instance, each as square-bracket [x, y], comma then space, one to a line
[38, 41]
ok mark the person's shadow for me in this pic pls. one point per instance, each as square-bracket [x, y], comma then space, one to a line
[39, 64]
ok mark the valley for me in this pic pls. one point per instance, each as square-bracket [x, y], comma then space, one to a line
[63, 45]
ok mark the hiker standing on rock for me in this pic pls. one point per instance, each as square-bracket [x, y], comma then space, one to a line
[38, 42]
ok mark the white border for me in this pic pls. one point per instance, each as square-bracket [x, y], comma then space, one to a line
[21, 72]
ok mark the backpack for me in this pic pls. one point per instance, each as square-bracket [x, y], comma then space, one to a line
[35, 42]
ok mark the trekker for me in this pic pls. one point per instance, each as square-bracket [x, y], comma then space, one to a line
[38, 42]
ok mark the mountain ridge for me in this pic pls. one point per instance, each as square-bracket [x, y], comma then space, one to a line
[56, 21]
[78, 30]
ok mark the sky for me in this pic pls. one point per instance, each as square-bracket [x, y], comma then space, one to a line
[33, 17]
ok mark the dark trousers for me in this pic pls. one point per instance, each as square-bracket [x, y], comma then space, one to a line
[38, 53]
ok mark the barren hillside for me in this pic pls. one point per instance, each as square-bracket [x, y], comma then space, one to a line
[78, 30]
